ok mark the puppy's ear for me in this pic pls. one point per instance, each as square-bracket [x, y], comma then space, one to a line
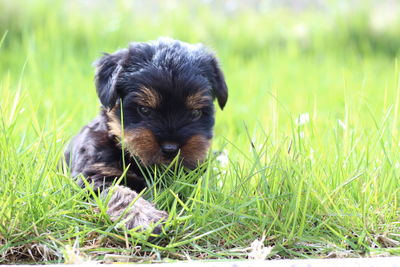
[220, 89]
[107, 70]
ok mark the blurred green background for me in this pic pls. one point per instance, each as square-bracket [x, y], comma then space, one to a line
[298, 56]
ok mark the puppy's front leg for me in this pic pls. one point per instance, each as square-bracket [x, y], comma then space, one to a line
[140, 214]
[124, 202]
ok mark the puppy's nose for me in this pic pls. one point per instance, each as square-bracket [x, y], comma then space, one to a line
[170, 149]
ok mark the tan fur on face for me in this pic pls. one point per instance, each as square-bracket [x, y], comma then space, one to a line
[114, 123]
[139, 142]
[142, 143]
[147, 97]
[195, 150]
[198, 100]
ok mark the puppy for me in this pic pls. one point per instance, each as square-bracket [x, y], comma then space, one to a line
[157, 103]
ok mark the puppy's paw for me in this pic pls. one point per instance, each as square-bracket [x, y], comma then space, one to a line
[141, 214]
[146, 218]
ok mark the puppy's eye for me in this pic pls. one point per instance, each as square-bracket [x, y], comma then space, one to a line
[196, 114]
[144, 111]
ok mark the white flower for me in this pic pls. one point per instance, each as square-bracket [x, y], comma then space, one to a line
[223, 159]
[342, 124]
[303, 119]
[258, 251]
[301, 31]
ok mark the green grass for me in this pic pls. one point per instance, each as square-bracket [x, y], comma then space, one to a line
[325, 187]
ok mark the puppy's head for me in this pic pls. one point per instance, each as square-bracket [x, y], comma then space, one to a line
[161, 93]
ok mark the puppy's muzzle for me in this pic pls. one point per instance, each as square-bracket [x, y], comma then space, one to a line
[169, 149]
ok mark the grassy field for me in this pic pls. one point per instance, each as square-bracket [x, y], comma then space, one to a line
[307, 150]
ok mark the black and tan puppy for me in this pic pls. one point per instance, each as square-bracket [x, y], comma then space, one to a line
[157, 102]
